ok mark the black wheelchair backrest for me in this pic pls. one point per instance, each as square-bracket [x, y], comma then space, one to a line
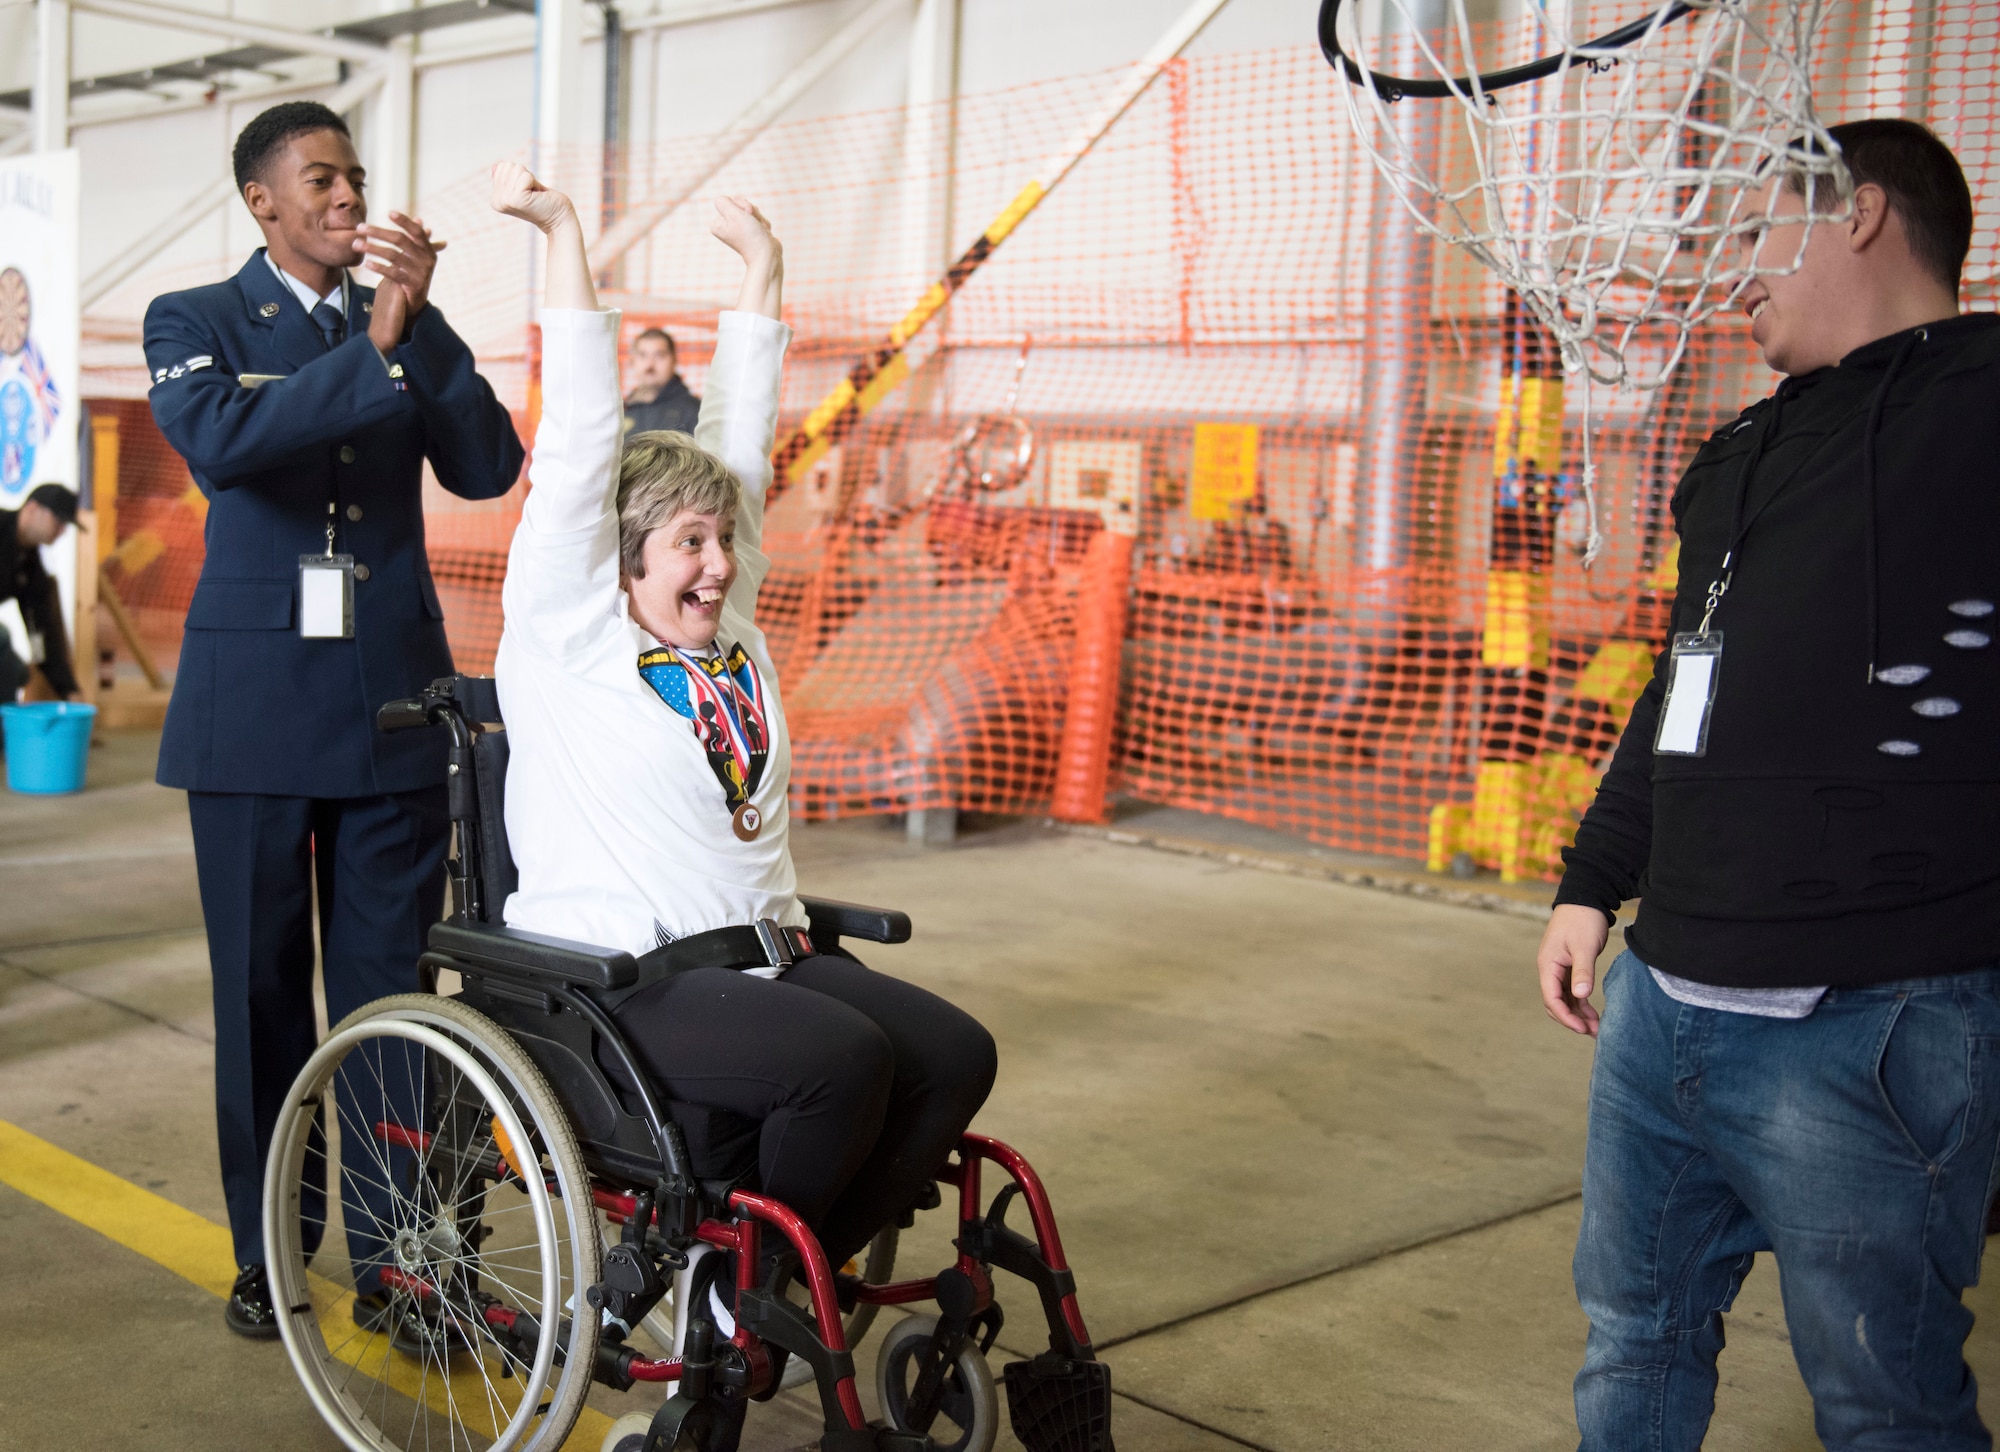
[469, 707]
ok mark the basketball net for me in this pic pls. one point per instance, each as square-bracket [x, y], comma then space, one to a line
[1621, 193]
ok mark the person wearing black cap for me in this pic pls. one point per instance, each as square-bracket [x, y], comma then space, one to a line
[41, 520]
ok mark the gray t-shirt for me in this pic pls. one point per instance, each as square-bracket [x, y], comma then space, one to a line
[1763, 1002]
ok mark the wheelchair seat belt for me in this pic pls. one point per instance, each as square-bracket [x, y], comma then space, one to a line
[764, 945]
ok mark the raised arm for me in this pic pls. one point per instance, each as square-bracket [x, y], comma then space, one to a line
[739, 410]
[563, 569]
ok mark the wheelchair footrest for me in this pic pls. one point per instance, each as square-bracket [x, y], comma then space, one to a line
[1060, 1405]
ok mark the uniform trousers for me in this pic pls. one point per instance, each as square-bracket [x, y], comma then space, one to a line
[852, 1086]
[377, 864]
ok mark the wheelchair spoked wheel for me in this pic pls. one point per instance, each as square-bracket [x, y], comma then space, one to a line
[425, 1284]
[968, 1416]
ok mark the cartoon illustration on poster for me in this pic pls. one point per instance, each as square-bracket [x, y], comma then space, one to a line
[38, 323]
[40, 388]
[30, 404]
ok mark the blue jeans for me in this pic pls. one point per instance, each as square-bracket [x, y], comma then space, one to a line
[1858, 1144]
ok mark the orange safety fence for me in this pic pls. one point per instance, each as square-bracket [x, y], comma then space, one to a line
[1345, 465]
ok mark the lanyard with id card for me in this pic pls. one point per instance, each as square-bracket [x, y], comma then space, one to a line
[326, 591]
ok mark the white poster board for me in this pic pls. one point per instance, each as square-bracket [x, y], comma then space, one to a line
[39, 336]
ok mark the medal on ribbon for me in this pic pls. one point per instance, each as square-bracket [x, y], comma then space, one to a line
[723, 697]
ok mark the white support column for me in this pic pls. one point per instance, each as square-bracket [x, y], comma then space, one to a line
[933, 80]
[51, 75]
[558, 82]
[392, 128]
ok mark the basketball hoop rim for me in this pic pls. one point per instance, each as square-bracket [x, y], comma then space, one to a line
[1395, 88]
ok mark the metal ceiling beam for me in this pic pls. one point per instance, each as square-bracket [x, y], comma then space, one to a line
[638, 222]
[300, 42]
[699, 13]
[377, 33]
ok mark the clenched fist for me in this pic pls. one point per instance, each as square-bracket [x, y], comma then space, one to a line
[516, 193]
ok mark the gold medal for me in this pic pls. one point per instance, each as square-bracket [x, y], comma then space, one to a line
[747, 822]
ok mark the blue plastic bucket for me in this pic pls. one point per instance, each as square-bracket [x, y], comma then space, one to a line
[48, 743]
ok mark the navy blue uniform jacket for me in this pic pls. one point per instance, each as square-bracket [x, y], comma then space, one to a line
[256, 707]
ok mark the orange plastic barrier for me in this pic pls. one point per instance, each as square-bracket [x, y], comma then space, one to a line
[1083, 764]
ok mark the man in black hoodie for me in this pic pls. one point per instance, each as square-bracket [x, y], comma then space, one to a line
[1800, 1049]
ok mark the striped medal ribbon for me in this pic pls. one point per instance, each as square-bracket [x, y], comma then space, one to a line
[723, 696]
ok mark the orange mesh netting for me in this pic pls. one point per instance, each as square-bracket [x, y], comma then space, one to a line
[1352, 604]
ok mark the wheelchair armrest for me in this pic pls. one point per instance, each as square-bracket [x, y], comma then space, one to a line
[524, 955]
[852, 920]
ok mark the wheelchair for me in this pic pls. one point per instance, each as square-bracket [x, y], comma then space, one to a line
[469, 1221]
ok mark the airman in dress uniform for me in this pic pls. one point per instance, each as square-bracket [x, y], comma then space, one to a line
[305, 406]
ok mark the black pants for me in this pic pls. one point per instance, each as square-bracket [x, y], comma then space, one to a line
[852, 1085]
[14, 672]
[378, 865]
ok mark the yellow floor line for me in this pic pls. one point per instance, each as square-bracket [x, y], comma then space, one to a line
[192, 1246]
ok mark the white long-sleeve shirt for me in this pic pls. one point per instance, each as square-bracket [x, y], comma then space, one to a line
[621, 831]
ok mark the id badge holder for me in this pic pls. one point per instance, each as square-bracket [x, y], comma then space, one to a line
[1693, 666]
[326, 597]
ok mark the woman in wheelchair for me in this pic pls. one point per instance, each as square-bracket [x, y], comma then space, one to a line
[646, 790]
[777, 1094]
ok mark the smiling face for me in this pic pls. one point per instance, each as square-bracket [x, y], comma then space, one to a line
[690, 564]
[309, 201]
[1846, 282]
[1790, 313]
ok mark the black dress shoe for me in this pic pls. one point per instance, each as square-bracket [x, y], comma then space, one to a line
[410, 1331]
[249, 1311]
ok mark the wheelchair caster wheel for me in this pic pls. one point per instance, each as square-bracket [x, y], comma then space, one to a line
[628, 1433]
[968, 1416]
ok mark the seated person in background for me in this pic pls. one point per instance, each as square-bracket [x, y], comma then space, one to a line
[659, 398]
[649, 764]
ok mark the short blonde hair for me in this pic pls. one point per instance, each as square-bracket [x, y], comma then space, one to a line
[661, 473]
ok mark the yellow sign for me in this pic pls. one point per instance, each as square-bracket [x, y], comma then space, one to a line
[1225, 469]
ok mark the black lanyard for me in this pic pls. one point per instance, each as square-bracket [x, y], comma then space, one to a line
[1719, 586]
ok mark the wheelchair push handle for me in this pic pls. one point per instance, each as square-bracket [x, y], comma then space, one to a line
[404, 715]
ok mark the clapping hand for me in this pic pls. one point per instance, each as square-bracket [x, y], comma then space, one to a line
[516, 193]
[404, 257]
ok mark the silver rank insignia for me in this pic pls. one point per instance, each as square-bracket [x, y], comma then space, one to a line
[269, 310]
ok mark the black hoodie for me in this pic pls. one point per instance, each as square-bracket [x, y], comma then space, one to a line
[1843, 826]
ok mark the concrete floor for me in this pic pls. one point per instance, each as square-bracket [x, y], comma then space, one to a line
[1314, 1147]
